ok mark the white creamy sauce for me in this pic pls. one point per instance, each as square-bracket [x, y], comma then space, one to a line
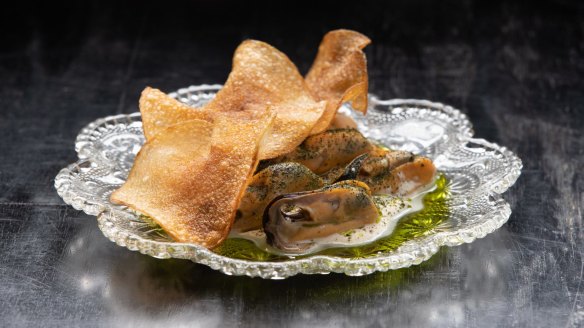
[392, 210]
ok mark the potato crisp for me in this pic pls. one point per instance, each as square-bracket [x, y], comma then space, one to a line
[262, 77]
[192, 172]
[339, 74]
[190, 177]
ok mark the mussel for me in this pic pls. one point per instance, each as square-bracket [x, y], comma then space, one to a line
[329, 149]
[275, 180]
[386, 171]
[349, 172]
[396, 172]
[382, 159]
[292, 221]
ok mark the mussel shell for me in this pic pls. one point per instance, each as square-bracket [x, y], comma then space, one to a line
[347, 205]
[271, 238]
[352, 170]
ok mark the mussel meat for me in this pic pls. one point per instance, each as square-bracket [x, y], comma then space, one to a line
[329, 149]
[397, 172]
[275, 180]
[293, 221]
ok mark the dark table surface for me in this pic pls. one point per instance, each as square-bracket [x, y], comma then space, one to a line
[516, 70]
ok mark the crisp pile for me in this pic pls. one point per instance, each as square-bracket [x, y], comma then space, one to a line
[192, 172]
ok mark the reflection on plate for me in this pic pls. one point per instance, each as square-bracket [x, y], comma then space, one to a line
[476, 171]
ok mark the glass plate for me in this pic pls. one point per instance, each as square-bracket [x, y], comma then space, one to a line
[477, 172]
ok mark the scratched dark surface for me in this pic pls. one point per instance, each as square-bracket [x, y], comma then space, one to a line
[516, 70]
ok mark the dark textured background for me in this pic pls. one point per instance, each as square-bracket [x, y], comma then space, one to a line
[517, 70]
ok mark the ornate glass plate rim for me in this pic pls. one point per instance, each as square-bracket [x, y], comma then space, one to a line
[478, 172]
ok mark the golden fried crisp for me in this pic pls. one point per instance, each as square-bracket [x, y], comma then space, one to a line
[339, 74]
[263, 76]
[159, 111]
[190, 177]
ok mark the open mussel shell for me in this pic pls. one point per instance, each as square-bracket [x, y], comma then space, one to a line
[352, 170]
[274, 180]
[294, 222]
